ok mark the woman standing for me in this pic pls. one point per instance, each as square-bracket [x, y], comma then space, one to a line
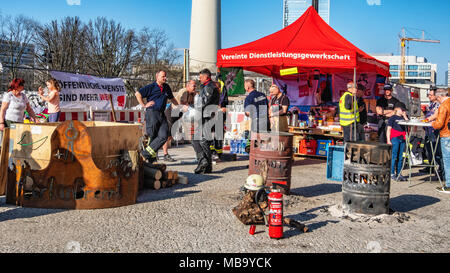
[52, 99]
[14, 105]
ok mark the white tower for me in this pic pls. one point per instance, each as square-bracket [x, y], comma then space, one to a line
[205, 38]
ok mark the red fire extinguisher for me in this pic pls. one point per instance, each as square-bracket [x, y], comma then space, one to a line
[275, 214]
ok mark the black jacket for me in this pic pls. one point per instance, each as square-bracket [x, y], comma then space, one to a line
[209, 94]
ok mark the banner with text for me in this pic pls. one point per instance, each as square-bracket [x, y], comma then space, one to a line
[84, 91]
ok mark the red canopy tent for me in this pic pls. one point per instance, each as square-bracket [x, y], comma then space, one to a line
[308, 44]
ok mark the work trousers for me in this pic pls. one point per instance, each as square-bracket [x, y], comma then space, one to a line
[349, 133]
[157, 129]
[202, 147]
[217, 145]
[360, 134]
[382, 131]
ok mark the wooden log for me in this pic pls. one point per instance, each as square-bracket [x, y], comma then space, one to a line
[169, 175]
[164, 184]
[150, 173]
[292, 223]
[175, 176]
[152, 184]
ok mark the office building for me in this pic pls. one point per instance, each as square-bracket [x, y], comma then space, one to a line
[8, 57]
[447, 76]
[294, 9]
[417, 69]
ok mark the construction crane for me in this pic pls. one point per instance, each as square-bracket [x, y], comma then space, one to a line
[403, 40]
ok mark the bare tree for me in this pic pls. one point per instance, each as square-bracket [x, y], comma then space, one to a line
[111, 48]
[62, 46]
[16, 35]
[154, 53]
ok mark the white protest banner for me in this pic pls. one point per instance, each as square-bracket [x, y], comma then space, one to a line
[84, 91]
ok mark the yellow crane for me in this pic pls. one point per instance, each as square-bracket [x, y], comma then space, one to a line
[403, 40]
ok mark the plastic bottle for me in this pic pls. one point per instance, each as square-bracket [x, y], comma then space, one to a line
[232, 146]
[243, 145]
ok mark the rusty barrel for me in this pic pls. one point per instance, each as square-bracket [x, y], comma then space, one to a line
[276, 149]
[367, 178]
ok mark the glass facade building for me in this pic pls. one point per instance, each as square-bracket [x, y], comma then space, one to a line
[294, 9]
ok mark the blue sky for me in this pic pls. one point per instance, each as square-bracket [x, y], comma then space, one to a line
[373, 28]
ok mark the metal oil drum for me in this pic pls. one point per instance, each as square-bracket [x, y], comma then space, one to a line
[276, 149]
[367, 178]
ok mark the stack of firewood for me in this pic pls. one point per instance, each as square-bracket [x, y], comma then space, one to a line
[156, 176]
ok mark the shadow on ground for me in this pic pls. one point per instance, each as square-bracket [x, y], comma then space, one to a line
[22, 213]
[410, 202]
[317, 190]
[304, 162]
[149, 195]
[232, 169]
[305, 217]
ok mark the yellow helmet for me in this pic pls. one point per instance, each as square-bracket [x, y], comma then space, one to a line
[254, 182]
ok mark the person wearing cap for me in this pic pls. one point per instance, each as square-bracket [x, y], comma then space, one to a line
[362, 108]
[396, 136]
[348, 112]
[385, 110]
[442, 124]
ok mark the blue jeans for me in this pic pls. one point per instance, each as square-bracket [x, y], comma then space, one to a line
[445, 147]
[398, 148]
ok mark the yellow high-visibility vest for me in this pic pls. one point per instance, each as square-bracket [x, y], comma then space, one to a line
[347, 117]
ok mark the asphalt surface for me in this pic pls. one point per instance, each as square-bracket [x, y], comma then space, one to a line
[197, 218]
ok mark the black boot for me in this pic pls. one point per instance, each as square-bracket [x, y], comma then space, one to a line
[209, 169]
[202, 165]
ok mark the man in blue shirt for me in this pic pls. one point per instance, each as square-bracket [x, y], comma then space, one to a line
[256, 107]
[157, 128]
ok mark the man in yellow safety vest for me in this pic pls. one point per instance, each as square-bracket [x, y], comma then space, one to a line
[349, 112]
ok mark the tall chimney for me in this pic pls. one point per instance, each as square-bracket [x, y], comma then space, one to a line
[205, 38]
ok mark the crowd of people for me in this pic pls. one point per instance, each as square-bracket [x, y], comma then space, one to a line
[266, 113]
[211, 101]
[390, 111]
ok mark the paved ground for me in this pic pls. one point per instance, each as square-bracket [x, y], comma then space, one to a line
[198, 218]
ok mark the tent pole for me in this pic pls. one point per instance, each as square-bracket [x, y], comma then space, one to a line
[354, 109]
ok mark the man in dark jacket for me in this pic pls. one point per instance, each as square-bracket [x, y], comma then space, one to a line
[209, 97]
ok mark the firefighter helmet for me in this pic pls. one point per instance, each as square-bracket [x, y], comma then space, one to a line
[254, 182]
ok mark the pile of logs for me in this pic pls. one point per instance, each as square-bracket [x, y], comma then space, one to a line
[156, 176]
